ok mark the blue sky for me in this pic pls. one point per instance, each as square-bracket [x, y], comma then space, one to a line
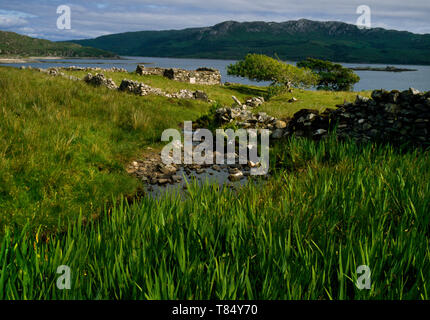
[95, 18]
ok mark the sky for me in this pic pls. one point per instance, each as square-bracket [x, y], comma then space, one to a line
[89, 19]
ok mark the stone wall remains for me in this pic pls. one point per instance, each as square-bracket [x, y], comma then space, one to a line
[399, 118]
[205, 76]
[395, 117]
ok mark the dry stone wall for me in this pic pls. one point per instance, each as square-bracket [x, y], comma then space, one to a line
[142, 89]
[100, 80]
[395, 117]
[388, 116]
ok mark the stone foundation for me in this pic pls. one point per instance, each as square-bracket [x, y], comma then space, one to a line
[200, 76]
[100, 80]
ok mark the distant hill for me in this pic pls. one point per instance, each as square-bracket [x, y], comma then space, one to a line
[291, 40]
[14, 44]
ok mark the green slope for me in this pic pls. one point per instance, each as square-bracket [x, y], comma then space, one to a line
[13, 44]
[292, 40]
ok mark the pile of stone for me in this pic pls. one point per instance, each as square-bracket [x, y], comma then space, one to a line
[153, 171]
[254, 102]
[245, 118]
[54, 72]
[201, 95]
[187, 94]
[139, 88]
[100, 80]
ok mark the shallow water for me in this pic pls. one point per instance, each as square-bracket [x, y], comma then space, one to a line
[370, 80]
[210, 176]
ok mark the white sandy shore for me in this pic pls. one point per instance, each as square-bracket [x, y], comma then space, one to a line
[12, 60]
[26, 60]
[45, 58]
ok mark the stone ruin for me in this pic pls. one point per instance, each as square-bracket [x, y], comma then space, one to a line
[205, 76]
[138, 88]
[388, 116]
[142, 89]
[399, 118]
[100, 80]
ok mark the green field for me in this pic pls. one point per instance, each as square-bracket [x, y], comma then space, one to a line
[327, 208]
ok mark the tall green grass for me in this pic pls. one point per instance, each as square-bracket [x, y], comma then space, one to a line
[301, 234]
[64, 144]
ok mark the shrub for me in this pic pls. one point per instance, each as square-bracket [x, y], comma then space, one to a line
[260, 67]
[332, 76]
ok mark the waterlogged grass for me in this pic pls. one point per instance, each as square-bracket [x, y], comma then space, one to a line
[327, 209]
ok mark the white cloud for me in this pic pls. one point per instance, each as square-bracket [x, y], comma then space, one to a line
[91, 19]
[7, 21]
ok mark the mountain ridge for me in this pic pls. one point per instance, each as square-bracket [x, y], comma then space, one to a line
[15, 44]
[290, 40]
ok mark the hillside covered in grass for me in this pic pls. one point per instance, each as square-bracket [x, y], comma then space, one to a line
[290, 40]
[14, 44]
[326, 208]
[64, 144]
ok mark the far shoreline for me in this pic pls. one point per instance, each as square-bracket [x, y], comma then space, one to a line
[7, 60]
[359, 66]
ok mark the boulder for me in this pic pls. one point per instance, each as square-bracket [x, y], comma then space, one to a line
[200, 95]
[100, 80]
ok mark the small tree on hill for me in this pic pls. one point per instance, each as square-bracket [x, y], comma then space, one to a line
[332, 76]
[283, 76]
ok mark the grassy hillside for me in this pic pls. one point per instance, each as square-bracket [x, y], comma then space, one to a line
[64, 148]
[327, 207]
[291, 40]
[13, 44]
[277, 106]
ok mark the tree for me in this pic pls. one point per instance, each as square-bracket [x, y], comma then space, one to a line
[260, 67]
[332, 76]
